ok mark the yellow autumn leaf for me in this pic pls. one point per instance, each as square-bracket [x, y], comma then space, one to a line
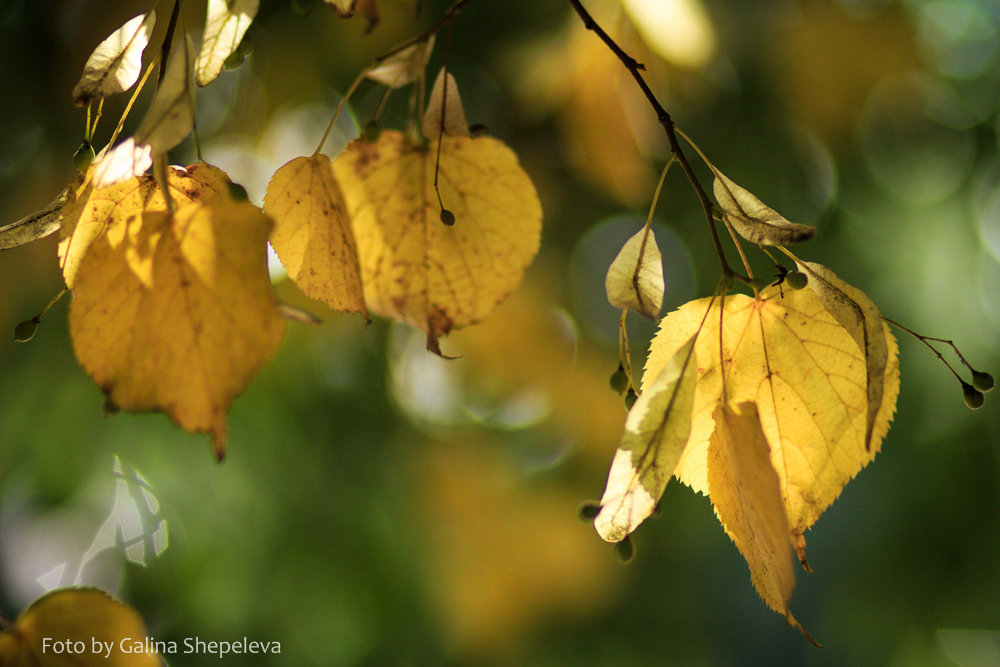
[444, 110]
[860, 316]
[96, 210]
[416, 269]
[178, 314]
[226, 21]
[75, 627]
[746, 494]
[635, 278]
[312, 234]
[656, 430]
[114, 65]
[804, 371]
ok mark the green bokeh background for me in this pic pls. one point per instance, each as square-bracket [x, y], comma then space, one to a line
[876, 121]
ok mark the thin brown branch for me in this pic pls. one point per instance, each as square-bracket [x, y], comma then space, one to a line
[455, 9]
[635, 68]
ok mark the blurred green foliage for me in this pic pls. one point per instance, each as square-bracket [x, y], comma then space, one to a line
[381, 507]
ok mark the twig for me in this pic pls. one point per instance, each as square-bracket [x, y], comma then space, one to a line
[634, 67]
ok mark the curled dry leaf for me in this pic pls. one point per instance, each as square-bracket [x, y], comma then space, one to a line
[225, 24]
[347, 8]
[96, 211]
[415, 268]
[635, 278]
[85, 615]
[115, 64]
[807, 376]
[176, 312]
[753, 219]
[444, 101]
[404, 67]
[746, 493]
[40, 223]
[312, 233]
[862, 319]
[656, 430]
[168, 120]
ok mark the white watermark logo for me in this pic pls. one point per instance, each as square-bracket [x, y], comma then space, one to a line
[130, 645]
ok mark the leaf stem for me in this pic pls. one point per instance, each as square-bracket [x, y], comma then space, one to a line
[131, 102]
[625, 352]
[648, 228]
[91, 129]
[722, 358]
[444, 115]
[739, 246]
[925, 339]
[635, 68]
[51, 303]
[457, 7]
[340, 107]
[168, 40]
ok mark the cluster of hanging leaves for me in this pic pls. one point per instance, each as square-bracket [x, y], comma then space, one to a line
[172, 306]
[770, 404]
[89, 625]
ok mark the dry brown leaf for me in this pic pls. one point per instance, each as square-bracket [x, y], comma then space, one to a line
[444, 101]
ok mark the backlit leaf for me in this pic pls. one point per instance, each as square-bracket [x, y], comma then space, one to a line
[121, 163]
[312, 233]
[860, 316]
[747, 496]
[115, 64]
[444, 101]
[85, 617]
[225, 24]
[635, 278]
[96, 210]
[753, 219]
[656, 430]
[176, 313]
[404, 67]
[804, 371]
[415, 268]
[168, 120]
